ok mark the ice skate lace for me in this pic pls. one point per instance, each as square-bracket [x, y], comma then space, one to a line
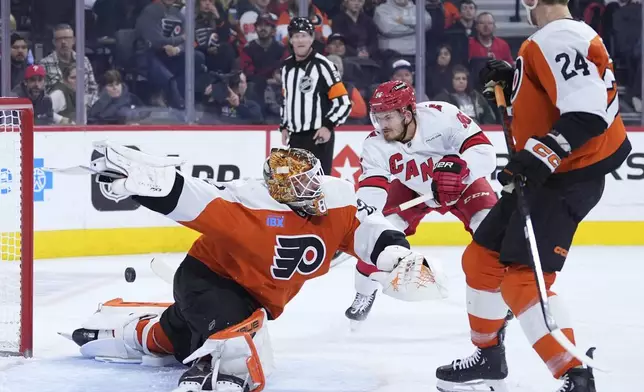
[465, 363]
[361, 302]
[566, 385]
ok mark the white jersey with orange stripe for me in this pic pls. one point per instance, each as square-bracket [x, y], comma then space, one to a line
[441, 129]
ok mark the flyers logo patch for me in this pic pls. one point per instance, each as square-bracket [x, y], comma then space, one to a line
[303, 254]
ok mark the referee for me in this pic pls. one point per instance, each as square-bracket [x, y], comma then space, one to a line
[315, 99]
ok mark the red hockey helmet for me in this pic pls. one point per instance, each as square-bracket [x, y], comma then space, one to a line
[393, 95]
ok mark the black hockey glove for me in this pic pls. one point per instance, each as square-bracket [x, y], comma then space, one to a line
[539, 158]
[497, 71]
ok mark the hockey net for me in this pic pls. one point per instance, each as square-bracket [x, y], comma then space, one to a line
[16, 226]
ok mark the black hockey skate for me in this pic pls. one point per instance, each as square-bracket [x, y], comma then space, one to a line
[199, 378]
[361, 306]
[485, 370]
[579, 379]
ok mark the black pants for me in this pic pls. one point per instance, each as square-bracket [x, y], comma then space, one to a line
[555, 211]
[205, 303]
[323, 152]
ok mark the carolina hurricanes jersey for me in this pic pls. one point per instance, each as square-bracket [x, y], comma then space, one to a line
[564, 67]
[441, 129]
[265, 246]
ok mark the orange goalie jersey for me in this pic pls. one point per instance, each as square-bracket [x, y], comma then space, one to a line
[265, 246]
[562, 68]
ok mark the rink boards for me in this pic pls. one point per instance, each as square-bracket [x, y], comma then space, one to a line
[74, 216]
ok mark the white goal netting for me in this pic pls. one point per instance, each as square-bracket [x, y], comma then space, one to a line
[10, 229]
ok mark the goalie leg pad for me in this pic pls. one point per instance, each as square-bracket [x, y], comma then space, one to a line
[124, 332]
[243, 351]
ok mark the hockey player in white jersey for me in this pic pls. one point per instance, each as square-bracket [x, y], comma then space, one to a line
[427, 149]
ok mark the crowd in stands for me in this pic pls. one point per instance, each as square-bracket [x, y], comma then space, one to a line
[135, 55]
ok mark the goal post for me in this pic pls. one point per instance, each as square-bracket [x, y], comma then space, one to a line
[16, 226]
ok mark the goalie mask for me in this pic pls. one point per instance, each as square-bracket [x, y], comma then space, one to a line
[293, 176]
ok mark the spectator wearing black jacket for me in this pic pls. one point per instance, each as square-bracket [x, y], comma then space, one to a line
[115, 105]
[212, 33]
[237, 109]
[262, 56]
[33, 88]
[19, 63]
[359, 30]
[458, 34]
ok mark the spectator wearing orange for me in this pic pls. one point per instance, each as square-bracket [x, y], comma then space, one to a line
[451, 13]
[320, 22]
[358, 29]
[33, 88]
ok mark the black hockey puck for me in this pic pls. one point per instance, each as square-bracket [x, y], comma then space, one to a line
[130, 274]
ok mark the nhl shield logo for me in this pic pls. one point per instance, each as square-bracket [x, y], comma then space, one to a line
[306, 84]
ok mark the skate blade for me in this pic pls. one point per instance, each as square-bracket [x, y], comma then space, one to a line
[355, 325]
[472, 386]
[66, 335]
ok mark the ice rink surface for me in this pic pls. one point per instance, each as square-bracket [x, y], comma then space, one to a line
[397, 349]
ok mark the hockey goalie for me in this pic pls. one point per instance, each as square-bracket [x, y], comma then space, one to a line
[261, 241]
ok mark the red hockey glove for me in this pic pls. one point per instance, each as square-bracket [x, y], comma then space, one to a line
[447, 181]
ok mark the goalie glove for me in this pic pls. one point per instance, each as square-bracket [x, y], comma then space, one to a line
[132, 172]
[409, 276]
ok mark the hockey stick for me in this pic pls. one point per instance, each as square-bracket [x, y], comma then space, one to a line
[162, 270]
[408, 204]
[533, 251]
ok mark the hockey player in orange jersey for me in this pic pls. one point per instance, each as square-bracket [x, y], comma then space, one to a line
[569, 135]
[260, 242]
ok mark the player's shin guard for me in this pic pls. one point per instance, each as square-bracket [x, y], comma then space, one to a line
[125, 332]
[486, 308]
[241, 355]
[519, 290]
[486, 369]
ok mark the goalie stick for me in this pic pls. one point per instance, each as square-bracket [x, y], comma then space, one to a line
[533, 251]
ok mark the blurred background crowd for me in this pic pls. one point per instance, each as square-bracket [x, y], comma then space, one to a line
[135, 66]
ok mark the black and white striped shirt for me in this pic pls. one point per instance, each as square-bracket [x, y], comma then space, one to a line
[314, 95]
